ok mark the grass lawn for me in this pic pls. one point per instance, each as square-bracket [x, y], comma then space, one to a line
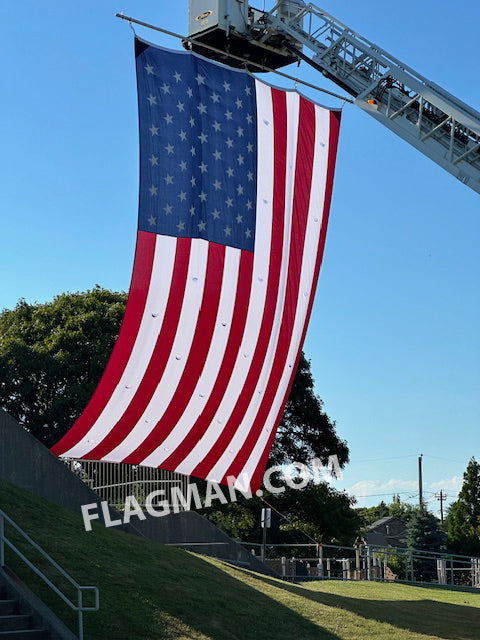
[149, 591]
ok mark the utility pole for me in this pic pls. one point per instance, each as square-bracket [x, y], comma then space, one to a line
[266, 522]
[441, 496]
[420, 481]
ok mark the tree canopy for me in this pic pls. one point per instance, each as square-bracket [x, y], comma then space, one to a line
[397, 508]
[463, 518]
[52, 356]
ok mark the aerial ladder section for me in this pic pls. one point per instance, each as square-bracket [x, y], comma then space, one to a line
[438, 124]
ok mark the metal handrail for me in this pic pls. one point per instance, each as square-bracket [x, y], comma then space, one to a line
[79, 607]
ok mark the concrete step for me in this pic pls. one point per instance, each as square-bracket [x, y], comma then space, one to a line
[7, 607]
[24, 634]
[15, 622]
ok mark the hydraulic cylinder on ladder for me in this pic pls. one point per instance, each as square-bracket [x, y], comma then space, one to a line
[435, 122]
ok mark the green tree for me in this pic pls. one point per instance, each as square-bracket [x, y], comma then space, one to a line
[397, 508]
[318, 512]
[424, 533]
[463, 520]
[53, 355]
[305, 430]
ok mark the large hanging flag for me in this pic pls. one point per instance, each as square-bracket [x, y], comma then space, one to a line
[235, 186]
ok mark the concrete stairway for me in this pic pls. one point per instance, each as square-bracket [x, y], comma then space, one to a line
[17, 622]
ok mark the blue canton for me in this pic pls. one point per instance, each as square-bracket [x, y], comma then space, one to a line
[198, 148]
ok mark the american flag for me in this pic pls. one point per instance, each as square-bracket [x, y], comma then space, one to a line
[235, 186]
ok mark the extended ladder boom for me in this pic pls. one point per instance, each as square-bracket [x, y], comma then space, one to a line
[422, 113]
[439, 125]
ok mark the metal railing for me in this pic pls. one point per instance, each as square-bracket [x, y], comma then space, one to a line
[79, 607]
[369, 562]
[114, 481]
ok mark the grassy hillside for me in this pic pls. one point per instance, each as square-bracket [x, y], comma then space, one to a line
[149, 591]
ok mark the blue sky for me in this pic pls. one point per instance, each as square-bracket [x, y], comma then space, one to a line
[393, 337]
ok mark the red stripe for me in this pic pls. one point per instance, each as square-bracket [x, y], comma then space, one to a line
[137, 297]
[196, 357]
[245, 397]
[158, 361]
[229, 358]
[332, 155]
[301, 202]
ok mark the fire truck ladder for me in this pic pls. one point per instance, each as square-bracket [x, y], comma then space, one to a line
[432, 120]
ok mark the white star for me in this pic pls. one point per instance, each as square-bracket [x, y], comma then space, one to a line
[192, 210]
[250, 176]
[153, 190]
[154, 130]
[249, 205]
[249, 118]
[216, 214]
[217, 154]
[215, 97]
[203, 137]
[203, 167]
[169, 148]
[240, 159]
[217, 185]
[250, 147]
[203, 196]
[183, 165]
[240, 132]
[152, 99]
[228, 115]
[192, 122]
[248, 90]
[200, 79]
[180, 106]
[239, 103]
[201, 226]
[168, 118]
[182, 135]
[239, 219]
[149, 70]
[229, 143]
[230, 172]
[183, 196]
[165, 88]
[201, 108]
[168, 179]
[177, 76]
[168, 209]
[190, 92]
[229, 202]
[181, 226]
[193, 151]
[152, 220]
[227, 231]
[248, 233]
[240, 190]
[193, 181]
[217, 126]
[153, 160]
[226, 86]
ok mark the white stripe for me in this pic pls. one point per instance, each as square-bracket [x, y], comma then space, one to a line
[224, 462]
[178, 356]
[310, 251]
[263, 231]
[213, 362]
[162, 268]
